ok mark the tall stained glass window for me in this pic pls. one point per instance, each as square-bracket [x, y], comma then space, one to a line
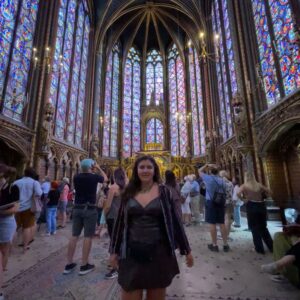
[17, 28]
[226, 66]
[67, 91]
[131, 104]
[275, 30]
[154, 77]
[155, 131]
[111, 104]
[196, 103]
[177, 103]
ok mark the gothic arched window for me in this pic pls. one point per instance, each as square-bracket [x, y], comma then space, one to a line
[197, 116]
[154, 77]
[131, 104]
[154, 131]
[67, 91]
[17, 27]
[177, 104]
[111, 104]
[226, 66]
[278, 47]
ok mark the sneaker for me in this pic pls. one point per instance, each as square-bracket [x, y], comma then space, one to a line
[237, 226]
[279, 278]
[112, 274]
[53, 233]
[86, 269]
[213, 248]
[269, 268]
[69, 268]
[226, 248]
[1, 296]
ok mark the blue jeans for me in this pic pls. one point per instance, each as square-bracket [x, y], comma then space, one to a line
[237, 215]
[51, 219]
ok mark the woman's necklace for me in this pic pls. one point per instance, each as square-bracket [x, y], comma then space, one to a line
[146, 189]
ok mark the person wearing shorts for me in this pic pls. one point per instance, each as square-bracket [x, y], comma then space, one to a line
[84, 213]
[62, 203]
[25, 218]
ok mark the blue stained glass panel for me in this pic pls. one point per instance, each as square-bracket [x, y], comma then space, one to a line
[177, 106]
[75, 76]
[267, 63]
[8, 12]
[154, 77]
[15, 97]
[287, 44]
[82, 84]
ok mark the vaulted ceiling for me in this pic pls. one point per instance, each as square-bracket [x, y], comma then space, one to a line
[150, 24]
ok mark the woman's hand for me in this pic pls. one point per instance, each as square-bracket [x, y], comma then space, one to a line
[114, 261]
[189, 260]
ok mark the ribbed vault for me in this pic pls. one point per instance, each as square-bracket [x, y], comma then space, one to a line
[150, 24]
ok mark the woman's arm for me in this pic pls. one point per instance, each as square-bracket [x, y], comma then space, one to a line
[266, 190]
[116, 238]
[10, 211]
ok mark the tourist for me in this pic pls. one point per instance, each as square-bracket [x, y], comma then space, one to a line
[84, 213]
[64, 189]
[185, 205]
[214, 213]
[45, 186]
[52, 202]
[29, 188]
[283, 246]
[229, 203]
[291, 257]
[9, 195]
[237, 203]
[195, 199]
[112, 206]
[146, 234]
[173, 186]
[253, 193]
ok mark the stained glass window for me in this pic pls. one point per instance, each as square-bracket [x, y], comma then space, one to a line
[225, 65]
[197, 116]
[16, 53]
[97, 119]
[177, 103]
[70, 66]
[155, 131]
[131, 104]
[154, 77]
[111, 104]
[286, 44]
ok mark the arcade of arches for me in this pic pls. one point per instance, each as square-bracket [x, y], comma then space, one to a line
[188, 82]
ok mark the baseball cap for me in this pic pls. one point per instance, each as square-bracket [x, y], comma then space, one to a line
[86, 163]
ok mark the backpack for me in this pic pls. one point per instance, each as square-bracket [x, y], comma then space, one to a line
[219, 197]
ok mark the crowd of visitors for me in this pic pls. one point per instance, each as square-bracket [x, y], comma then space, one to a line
[144, 219]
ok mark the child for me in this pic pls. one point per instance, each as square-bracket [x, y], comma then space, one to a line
[52, 202]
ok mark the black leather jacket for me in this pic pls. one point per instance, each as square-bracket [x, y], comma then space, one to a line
[174, 228]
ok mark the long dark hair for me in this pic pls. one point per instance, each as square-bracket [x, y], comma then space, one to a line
[120, 178]
[170, 178]
[134, 185]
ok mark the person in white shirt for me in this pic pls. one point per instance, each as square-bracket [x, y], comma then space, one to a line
[25, 218]
[46, 185]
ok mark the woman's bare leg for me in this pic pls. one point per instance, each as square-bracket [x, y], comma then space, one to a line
[4, 248]
[134, 295]
[156, 294]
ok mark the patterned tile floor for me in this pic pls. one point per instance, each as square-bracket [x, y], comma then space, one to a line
[232, 276]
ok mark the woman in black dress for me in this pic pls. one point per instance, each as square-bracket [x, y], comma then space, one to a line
[145, 235]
